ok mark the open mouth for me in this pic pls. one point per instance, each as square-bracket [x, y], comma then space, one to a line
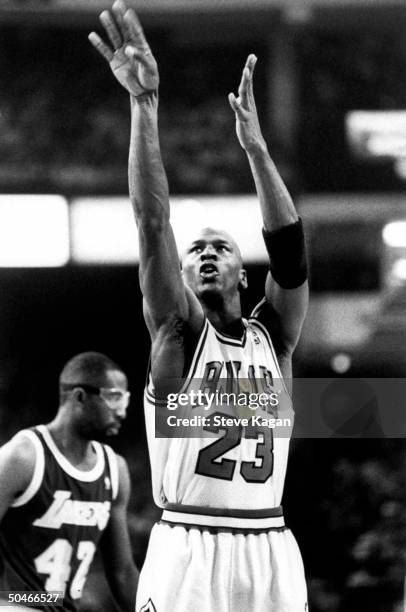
[208, 270]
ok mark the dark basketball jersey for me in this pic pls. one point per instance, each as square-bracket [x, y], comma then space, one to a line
[49, 535]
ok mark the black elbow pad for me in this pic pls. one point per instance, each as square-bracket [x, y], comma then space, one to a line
[287, 255]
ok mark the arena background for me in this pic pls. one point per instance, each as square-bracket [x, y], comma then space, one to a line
[64, 131]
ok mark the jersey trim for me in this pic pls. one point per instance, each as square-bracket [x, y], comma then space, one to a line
[230, 512]
[257, 307]
[113, 465]
[264, 330]
[38, 474]
[219, 518]
[226, 339]
[71, 470]
[253, 321]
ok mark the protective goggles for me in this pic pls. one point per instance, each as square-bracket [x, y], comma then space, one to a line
[116, 399]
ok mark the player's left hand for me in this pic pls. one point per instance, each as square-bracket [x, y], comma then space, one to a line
[131, 59]
[247, 122]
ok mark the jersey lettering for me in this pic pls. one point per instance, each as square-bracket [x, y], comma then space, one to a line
[210, 462]
[64, 510]
[55, 562]
[231, 372]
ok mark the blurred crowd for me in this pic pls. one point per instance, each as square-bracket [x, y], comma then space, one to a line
[64, 126]
[64, 122]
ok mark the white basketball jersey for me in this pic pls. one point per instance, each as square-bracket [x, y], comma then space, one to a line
[242, 466]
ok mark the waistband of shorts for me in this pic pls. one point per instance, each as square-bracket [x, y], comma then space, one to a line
[264, 519]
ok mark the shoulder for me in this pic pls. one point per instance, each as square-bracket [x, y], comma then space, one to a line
[21, 463]
[119, 473]
[21, 450]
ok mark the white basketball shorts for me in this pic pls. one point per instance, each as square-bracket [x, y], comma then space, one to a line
[209, 569]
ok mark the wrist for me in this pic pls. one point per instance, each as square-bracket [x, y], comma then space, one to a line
[257, 150]
[149, 97]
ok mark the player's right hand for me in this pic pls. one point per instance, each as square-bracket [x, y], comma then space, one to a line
[131, 60]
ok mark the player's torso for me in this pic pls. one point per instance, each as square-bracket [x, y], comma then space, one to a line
[206, 462]
[48, 539]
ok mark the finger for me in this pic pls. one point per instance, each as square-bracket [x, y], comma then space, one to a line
[101, 47]
[244, 85]
[246, 90]
[112, 31]
[119, 6]
[134, 24]
[138, 54]
[119, 9]
[250, 65]
[235, 104]
[251, 61]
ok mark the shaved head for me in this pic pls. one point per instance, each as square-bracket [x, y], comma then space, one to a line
[221, 235]
[212, 268]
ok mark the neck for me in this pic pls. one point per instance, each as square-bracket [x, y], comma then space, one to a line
[222, 314]
[67, 439]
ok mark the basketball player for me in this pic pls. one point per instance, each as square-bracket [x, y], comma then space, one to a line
[222, 544]
[63, 492]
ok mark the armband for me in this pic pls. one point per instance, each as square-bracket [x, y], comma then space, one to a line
[287, 255]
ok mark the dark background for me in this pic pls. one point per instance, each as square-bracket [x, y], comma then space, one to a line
[64, 125]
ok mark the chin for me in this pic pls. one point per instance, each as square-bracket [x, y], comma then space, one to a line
[102, 436]
[212, 296]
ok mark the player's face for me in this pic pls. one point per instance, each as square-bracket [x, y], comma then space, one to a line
[212, 264]
[103, 412]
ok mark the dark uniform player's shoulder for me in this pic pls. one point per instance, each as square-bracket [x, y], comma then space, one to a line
[19, 457]
[21, 448]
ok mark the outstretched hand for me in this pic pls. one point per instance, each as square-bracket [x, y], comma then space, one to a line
[246, 116]
[131, 60]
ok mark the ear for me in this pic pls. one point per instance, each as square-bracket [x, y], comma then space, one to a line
[243, 284]
[78, 396]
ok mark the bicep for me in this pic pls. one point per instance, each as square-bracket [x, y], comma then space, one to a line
[287, 311]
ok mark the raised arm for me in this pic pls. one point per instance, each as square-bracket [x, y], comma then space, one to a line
[286, 288]
[166, 300]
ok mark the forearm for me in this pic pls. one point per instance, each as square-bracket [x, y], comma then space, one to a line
[124, 588]
[277, 207]
[283, 235]
[148, 184]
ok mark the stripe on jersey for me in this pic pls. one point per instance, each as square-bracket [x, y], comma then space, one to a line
[113, 465]
[228, 519]
[71, 470]
[261, 326]
[225, 339]
[233, 512]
